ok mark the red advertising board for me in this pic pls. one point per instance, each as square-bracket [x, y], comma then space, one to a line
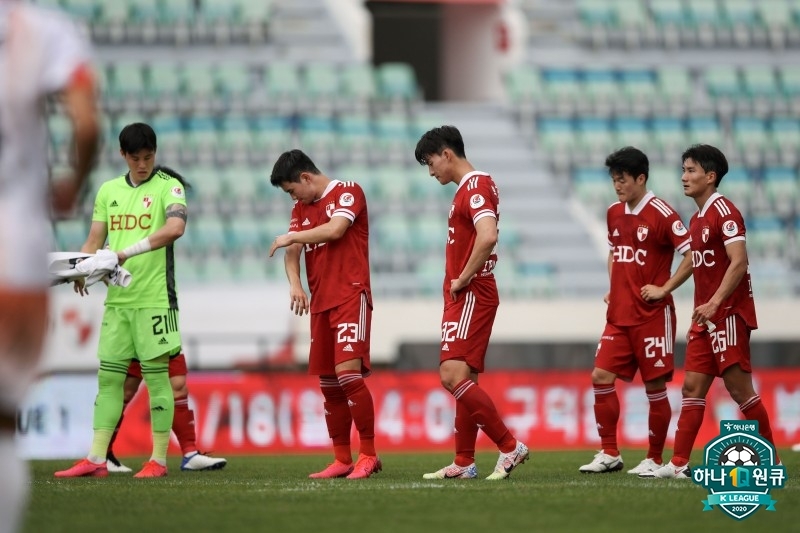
[255, 413]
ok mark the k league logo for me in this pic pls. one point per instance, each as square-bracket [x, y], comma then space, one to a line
[739, 470]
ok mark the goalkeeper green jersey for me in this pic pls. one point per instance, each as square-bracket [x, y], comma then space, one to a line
[131, 214]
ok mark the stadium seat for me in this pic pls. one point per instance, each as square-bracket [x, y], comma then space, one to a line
[247, 233]
[668, 12]
[669, 135]
[594, 135]
[600, 85]
[759, 82]
[633, 131]
[790, 80]
[593, 187]
[639, 86]
[597, 12]
[740, 187]
[786, 137]
[397, 81]
[665, 181]
[71, 234]
[723, 82]
[751, 137]
[209, 235]
[562, 86]
[767, 235]
[429, 232]
[321, 86]
[674, 84]
[358, 85]
[704, 129]
[524, 85]
[782, 189]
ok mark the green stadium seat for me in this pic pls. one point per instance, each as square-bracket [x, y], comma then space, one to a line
[232, 80]
[209, 187]
[594, 134]
[71, 234]
[704, 129]
[597, 12]
[740, 187]
[750, 134]
[282, 81]
[524, 84]
[668, 12]
[243, 185]
[556, 134]
[669, 134]
[251, 267]
[633, 131]
[723, 81]
[393, 233]
[397, 81]
[639, 85]
[358, 84]
[600, 85]
[354, 136]
[247, 232]
[322, 82]
[739, 12]
[209, 234]
[675, 84]
[563, 85]
[536, 279]
[126, 81]
[786, 135]
[429, 272]
[392, 187]
[767, 235]
[631, 14]
[774, 14]
[665, 182]
[317, 134]
[429, 232]
[171, 12]
[218, 268]
[759, 82]
[593, 187]
[87, 10]
[703, 13]
[782, 189]
[790, 80]
[392, 133]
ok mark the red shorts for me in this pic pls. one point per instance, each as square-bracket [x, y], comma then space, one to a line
[177, 367]
[648, 347]
[711, 353]
[341, 334]
[466, 328]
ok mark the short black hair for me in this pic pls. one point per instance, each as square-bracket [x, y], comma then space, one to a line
[289, 166]
[630, 160]
[710, 158]
[436, 140]
[136, 137]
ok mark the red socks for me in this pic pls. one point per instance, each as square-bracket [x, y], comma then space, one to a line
[485, 415]
[606, 414]
[337, 418]
[183, 425]
[361, 408]
[658, 422]
[466, 433]
[753, 409]
[689, 422]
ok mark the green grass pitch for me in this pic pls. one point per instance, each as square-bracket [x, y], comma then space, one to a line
[273, 494]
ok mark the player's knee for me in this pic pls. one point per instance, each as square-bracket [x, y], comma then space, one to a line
[603, 377]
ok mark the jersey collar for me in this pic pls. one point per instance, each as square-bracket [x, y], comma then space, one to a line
[711, 200]
[468, 175]
[643, 202]
[328, 189]
[130, 183]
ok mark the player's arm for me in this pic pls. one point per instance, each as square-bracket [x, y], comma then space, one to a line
[298, 299]
[80, 101]
[94, 241]
[485, 241]
[682, 273]
[609, 265]
[171, 231]
[332, 230]
[737, 254]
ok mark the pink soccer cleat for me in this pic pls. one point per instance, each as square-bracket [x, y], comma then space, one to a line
[366, 466]
[84, 468]
[335, 469]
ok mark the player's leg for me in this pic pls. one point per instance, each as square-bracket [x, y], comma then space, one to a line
[23, 322]
[156, 336]
[338, 418]
[738, 376]
[132, 382]
[350, 325]
[183, 422]
[655, 341]
[115, 351]
[606, 415]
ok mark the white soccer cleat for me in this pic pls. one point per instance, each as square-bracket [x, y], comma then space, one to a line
[647, 465]
[796, 447]
[509, 461]
[669, 471]
[115, 466]
[201, 461]
[454, 471]
[603, 463]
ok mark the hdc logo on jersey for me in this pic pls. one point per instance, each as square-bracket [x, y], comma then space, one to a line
[147, 201]
[705, 233]
[126, 222]
[629, 254]
[641, 232]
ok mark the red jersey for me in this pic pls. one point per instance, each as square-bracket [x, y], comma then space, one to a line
[336, 270]
[643, 242]
[716, 225]
[476, 197]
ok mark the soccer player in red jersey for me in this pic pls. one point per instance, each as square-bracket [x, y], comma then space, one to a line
[330, 224]
[644, 233]
[724, 312]
[470, 303]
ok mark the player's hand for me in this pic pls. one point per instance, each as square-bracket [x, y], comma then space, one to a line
[64, 198]
[79, 286]
[651, 293]
[704, 313]
[298, 301]
[456, 285]
[281, 241]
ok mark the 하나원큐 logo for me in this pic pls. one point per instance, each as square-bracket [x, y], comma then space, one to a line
[739, 470]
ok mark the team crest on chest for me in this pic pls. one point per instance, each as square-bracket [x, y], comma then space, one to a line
[147, 201]
[704, 234]
[329, 209]
[641, 232]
